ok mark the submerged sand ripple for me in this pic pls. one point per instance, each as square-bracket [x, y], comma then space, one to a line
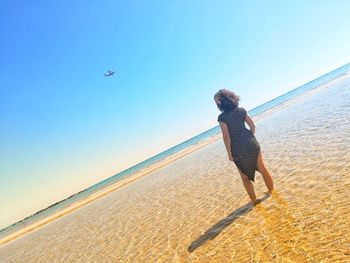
[198, 202]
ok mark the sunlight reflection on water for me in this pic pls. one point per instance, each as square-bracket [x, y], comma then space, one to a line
[156, 219]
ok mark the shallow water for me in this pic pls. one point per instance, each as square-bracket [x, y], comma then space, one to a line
[198, 203]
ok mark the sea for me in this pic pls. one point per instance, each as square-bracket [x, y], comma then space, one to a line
[331, 93]
[267, 106]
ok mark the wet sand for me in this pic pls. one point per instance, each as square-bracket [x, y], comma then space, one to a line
[194, 208]
[141, 173]
[155, 166]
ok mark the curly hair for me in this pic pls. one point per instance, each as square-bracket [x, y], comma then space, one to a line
[226, 100]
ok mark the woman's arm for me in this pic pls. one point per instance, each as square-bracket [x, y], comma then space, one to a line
[250, 122]
[227, 139]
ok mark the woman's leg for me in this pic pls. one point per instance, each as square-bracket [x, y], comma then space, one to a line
[249, 187]
[265, 173]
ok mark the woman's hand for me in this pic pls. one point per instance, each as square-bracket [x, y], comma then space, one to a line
[230, 157]
[250, 122]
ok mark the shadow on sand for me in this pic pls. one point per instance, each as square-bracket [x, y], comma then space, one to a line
[218, 227]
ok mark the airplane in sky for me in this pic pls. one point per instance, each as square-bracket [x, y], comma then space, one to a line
[110, 73]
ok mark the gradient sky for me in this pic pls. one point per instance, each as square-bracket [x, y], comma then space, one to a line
[64, 126]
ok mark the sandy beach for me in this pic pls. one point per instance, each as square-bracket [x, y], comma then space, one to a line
[137, 175]
[154, 167]
[192, 207]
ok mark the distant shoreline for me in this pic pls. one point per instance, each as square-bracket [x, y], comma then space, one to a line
[155, 166]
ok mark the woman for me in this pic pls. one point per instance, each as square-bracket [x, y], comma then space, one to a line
[241, 145]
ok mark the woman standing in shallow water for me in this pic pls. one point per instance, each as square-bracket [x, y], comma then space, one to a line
[241, 145]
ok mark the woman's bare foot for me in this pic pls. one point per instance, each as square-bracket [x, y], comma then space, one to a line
[256, 201]
[268, 193]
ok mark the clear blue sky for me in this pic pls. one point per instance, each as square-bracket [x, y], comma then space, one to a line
[64, 126]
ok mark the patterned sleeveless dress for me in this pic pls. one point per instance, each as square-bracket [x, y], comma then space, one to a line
[244, 146]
